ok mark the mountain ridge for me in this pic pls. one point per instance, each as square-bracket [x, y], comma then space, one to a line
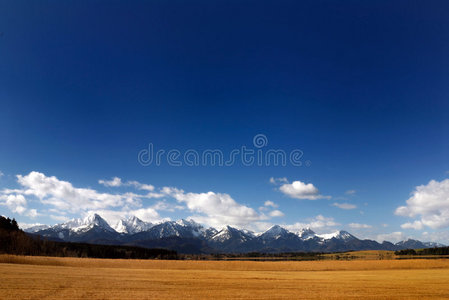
[190, 236]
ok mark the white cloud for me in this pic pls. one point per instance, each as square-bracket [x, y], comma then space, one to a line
[114, 182]
[350, 192]
[417, 225]
[359, 226]
[62, 195]
[117, 182]
[437, 236]
[430, 203]
[1, 174]
[319, 223]
[32, 213]
[141, 186]
[271, 204]
[15, 203]
[344, 205]
[276, 213]
[215, 209]
[59, 218]
[393, 237]
[260, 226]
[278, 180]
[301, 190]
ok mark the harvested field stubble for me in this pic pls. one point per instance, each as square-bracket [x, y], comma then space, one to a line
[71, 278]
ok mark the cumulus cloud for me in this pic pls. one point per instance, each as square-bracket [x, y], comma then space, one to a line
[1, 174]
[319, 223]
[32, 213]
[436, 236]
[271, 204]
[344, 205]
[430, 204]
[417, 225]
[215, 209]
[276, 213]
[15, 203]
[64, 196]
[359, 226]
[350, 192]
[393, 237]
[61, 199]
[301, 190]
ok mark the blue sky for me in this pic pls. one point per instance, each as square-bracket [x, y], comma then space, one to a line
[359, 87]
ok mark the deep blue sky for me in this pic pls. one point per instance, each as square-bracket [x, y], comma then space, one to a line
[361, 87]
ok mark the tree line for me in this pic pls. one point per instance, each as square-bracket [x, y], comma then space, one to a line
[426, 251]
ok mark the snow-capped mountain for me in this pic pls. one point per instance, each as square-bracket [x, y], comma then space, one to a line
[82, 225]
[195, 228]
[415, 244]
[191, 237]
[131, 225]
[339, 235]
[274, 232]
[229, 233]
[181, 229]
[433, 244]
[306, 234]
[92, 227]
[36, 228]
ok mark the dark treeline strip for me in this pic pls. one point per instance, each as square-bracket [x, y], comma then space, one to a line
[15, 241]
[269, 256]
[426, 251]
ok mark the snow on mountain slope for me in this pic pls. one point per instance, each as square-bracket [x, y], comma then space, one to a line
[196, 228]
[83, 225]
[306, 234]
[274, 232]
[228, 233]
[35, 228]
[93, 228]
[131, 225]
[340, 235]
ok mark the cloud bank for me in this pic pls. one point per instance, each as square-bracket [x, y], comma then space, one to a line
[429, 205]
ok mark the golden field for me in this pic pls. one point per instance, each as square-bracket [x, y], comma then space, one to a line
[24, 277]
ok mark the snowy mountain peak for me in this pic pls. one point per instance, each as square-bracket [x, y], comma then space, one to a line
[36, 228]
[93, 228]
[131, 225]
[228, 233]
[339, 235]
[83, 225]
[189, 222]
[275, 231]
[306, 233]
[95, 219]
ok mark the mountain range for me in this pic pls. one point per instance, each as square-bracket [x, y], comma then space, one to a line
[188, 236]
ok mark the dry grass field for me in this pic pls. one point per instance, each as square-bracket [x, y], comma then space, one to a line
[73, 278]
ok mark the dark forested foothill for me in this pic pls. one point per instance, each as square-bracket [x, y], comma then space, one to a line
[426, 251]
